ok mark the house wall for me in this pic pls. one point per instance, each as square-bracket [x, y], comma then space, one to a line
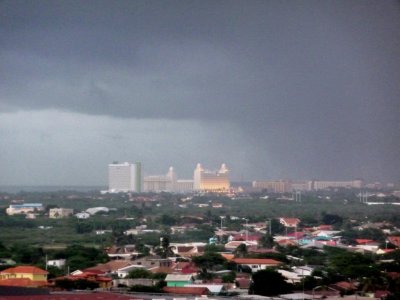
[177, 283]
[34, 277]
[256, 267]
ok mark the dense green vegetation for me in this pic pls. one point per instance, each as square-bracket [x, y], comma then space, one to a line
[342, 209]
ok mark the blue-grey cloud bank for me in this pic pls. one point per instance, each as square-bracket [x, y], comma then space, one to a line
[275, 89]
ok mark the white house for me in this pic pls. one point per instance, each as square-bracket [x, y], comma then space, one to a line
[256, 264]
[82, 215]
[124, 272]
[58, 263]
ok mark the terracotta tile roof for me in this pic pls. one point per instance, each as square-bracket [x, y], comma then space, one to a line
[257, 261]
[23, 282]
[325, 227]
[344, 285]
[186, 267]
[289, 222]
[364, 241]
[228, 256]
[87, 275]
[242, 237]
[24, 269]
[186, 290]
[181, 249]
[110, 266]
[286, 242]
[260, 250]
[167, 270]
[395, 240]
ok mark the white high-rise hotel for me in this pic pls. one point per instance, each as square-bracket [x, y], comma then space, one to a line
[205, 180]
[124, 177]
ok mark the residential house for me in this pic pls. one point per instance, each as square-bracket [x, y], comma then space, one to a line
[58, 263]
[178, 280]
[124, 271]
[123, 252]
[367, 245]
[289, 222]
[28, 276]
[59, 213]
[291, 277]
[286, 242]
[82, 215]
[24, 208]
[188, 249]
[104, 282]
[108, 268]
[214, 289]
[154, 263]
[344, 286]
[129, 282]
[186, 268]
[303, 270]
[247, 237]
[231, 246]
[256, 264]
[326, 233]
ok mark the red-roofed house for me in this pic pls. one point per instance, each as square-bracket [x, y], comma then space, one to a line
[248, 237]
[344, 286]
[256, 264]
[24, 276]
[186, 268]
[234, 244]
[103, 281]
[324, 227]
[109, 267]
[365, 241]
[289, 222]
[287, 242]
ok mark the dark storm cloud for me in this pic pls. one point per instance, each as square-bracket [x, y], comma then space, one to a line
[313, 83]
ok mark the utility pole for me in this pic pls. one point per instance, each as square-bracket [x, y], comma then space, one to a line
[270, 226]
[247, 230]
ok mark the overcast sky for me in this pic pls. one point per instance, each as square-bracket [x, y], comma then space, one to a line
[274, 89]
